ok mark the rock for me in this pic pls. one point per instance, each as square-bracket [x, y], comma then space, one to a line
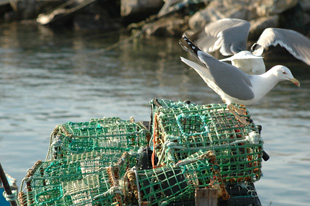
[29, 9]
[305, 4]
[294, 18]
[170, 26]
[95, 22]
[136, 10]
[201, 18]
[306, 20]
[242, 9]
[98, 16]
[10, 16]
[260, 24]
[273, 7]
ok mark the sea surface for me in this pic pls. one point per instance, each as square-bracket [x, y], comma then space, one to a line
[50, 77]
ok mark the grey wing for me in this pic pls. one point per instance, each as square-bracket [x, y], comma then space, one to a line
[229, 78]
[229, 35]
[295, 43]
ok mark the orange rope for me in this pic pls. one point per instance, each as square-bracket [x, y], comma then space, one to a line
[154, 141]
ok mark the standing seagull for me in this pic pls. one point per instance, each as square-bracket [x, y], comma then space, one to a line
[230, 37]
[232, 84]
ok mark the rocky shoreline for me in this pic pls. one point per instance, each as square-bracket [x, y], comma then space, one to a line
[158, 17]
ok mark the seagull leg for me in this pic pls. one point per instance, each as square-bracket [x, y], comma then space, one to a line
[237, 112]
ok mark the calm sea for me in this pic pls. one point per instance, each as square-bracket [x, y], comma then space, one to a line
[51, 77]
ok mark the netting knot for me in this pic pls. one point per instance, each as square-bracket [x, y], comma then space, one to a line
[253, 137]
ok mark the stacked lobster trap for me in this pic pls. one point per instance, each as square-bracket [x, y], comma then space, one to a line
[181, 131]
[207, 143]
[84, 164]
[186, 146]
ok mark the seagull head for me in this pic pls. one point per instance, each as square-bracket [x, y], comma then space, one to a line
[284, 73]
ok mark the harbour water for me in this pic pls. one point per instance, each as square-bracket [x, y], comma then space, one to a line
[51, 77]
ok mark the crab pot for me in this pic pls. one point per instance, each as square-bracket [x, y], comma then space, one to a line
[110, 161]
[181, 129]
[163, 185]
[96, 135]
[80, 179]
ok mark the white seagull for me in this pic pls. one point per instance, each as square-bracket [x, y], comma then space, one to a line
[230, 37]
[232, 84]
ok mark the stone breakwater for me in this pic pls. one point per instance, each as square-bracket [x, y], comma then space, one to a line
[161, 18]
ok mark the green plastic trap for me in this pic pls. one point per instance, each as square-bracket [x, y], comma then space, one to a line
[171, 183]
[181, 129]
[96, 135]
[110, 161]
[81, 179]
[84, 163]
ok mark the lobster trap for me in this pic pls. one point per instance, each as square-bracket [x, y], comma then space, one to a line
[181, 129]
[175, 183]
[84, 163]
[81, 179]
[110, 161]
[110, 134]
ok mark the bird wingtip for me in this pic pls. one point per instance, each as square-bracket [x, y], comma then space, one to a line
[182, 59]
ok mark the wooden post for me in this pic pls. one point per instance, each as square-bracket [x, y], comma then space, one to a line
[205, 197]
[6, 185]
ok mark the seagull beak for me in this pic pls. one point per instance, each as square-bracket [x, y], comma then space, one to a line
[295, 81]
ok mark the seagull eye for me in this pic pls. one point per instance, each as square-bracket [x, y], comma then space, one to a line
[284, 72]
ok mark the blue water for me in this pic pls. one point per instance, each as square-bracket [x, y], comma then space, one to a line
[51, 77]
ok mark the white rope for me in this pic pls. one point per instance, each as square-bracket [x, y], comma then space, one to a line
[252, 138]
[112, 190]
[10, 198]
[138, 186]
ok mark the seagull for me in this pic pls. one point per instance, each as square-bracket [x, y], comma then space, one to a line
[232, 84]
[230, 35]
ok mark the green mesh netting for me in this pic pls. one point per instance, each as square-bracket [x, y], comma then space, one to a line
[170, 183]
[163, 185]
[100, 162]
[81, 179]
[181, 129]
[84, 163]
[96, 135]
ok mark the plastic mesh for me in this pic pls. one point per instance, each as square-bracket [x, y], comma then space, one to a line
[85, 163]
[181, 129]
[96, 135]
[89, 178]
[170, 183]
[163, 185]
[110, 161]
